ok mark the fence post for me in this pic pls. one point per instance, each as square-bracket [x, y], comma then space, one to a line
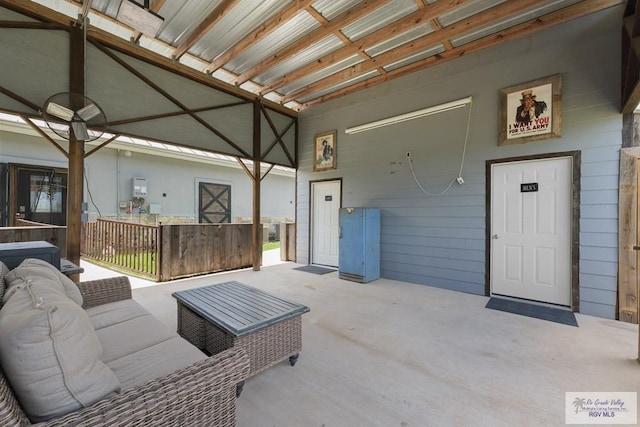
[164, 252]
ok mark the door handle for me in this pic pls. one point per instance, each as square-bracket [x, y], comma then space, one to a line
[636, 248]
[495, 237]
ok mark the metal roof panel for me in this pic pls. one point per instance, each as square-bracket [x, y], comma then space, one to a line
[544, 8]
[320, 49]
[283, 36]
[357, 79]
[379, 18]
[400, 39]
[332, 8]
[414, 58]
[325, 72]
[182, 17]
[467, 10]
[236, 24]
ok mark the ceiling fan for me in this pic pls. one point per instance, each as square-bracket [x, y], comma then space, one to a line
[69, 114]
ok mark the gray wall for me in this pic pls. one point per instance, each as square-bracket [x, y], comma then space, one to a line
[440, 241]
[174, 177]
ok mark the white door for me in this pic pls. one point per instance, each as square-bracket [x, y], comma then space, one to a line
[531, 230]
[325, 211]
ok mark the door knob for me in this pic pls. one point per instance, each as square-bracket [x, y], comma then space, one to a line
[495, 236]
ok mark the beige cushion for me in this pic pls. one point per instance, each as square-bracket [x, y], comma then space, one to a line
[155, 361]
[49, 351]
[32, 268]
[105, 315]
[137, 346]
[3, 272]
[138, 333]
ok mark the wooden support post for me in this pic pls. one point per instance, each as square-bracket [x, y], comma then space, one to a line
[76, 150]
[257, 155]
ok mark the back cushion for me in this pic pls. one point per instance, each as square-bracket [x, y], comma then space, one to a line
[49, 351]
[32, 269]
[3, 272]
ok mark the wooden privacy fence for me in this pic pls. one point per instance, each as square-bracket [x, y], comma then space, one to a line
[33, 231]
[168, 252]
[190, 249]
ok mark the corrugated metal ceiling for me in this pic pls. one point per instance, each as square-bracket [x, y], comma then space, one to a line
[302, 52]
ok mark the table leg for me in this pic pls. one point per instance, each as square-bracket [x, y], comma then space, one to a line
[293, 359]
[239, 388]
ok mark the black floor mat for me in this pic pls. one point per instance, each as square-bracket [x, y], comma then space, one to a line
[315, 269]
[531, 310]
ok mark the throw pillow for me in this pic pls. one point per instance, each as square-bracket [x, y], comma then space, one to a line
[49, 351]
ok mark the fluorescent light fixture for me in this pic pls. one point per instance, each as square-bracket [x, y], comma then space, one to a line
[138, 18]
[447, 106]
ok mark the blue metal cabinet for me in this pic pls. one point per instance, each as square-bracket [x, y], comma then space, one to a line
[359, 250]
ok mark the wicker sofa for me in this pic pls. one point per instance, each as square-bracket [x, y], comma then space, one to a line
[201, 393]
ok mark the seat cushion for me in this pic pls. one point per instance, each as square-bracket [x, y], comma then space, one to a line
[32, 268]
[134, 333]
[49, 351]
[155, 361]
[109, 314]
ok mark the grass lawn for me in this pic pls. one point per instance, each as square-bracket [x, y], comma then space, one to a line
[270, 245]
[145, 261]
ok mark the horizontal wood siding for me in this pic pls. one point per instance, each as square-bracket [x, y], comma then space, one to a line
[599, 244]
[440, 240]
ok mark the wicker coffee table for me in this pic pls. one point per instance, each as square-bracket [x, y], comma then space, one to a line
[217, 317]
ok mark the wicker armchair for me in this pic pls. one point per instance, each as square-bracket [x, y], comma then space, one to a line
[201, 394]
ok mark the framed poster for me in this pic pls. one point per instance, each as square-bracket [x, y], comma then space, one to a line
[531, 111]
[325, 151]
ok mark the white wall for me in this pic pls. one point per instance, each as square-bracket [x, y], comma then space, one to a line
[440, 241]
[171, 182]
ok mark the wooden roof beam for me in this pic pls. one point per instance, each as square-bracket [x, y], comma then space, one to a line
[502, 10]
[37, 128]
[31, 25]
[174, 113]
[259, 33]
[149, 82]
[313, 37]
[555, 18]
[204, 27]
[426, 14]
[98, 36]
[155, 7]
[36, 11]
[18, 98]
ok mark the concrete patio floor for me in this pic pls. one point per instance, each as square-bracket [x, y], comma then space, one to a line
[389, 353]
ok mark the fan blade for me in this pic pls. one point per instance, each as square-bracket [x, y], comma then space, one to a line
[89, 112]
[79, 130]
[59, 111]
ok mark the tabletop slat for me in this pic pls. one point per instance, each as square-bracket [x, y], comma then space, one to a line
[237, 308]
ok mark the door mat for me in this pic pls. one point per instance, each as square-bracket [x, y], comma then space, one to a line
[531, 310]
[315, 269]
